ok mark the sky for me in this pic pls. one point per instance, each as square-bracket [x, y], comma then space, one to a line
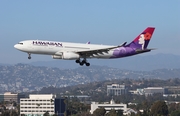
[98, 21]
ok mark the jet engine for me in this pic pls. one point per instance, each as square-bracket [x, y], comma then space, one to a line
[56, 57]
[70, 56]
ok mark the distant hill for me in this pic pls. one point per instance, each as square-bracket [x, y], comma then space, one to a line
[24, 77]
[136, 63]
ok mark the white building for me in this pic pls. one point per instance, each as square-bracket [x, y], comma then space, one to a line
[116, 89]
[108, 107]
[37, 105]
[11, 97]
[153, 90]
[8, 96]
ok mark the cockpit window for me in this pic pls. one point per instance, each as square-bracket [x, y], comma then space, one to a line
[20, 43]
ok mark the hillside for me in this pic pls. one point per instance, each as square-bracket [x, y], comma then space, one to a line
[24, 77]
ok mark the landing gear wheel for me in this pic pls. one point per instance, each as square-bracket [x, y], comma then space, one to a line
[77, 61]
[84, 61]
[87, 64]
[29, 57]
[81, 64]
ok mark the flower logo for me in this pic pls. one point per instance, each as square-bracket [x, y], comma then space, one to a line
[147, 36]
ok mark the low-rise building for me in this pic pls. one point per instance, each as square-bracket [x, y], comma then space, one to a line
[8, 96]
[38, 104]
[11, 97]
[116, 89]
[109, 106]
[153, 90]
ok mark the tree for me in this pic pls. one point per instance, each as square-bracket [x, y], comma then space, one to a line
[112, 112]
[174, 107]
[159, 108]
[55, 115]
[175, 113]
[73, 107]
[99, 112]
[120, 112]
[46, 114]
[5, 113]
[18, 109]
[83, 114]
[14, 113]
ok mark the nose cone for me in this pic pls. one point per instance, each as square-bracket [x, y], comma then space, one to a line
[16, 46]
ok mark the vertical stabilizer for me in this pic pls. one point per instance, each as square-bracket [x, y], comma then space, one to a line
[142, 40]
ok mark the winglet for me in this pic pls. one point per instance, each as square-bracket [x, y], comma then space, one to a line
[88, 42]
[124, 44]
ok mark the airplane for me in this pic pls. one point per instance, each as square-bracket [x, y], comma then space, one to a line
[80, 52]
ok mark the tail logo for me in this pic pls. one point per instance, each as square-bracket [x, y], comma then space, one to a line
[143, 38]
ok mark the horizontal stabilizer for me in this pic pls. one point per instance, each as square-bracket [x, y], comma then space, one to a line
[142, 51]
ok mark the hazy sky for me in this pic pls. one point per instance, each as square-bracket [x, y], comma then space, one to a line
[98, 21]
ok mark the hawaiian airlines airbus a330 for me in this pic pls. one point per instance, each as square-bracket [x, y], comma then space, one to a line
[81, 52]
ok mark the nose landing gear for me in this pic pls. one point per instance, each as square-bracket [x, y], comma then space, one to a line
[29, 55]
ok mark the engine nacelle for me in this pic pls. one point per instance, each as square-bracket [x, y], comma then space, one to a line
[56, 57]
[70, 56]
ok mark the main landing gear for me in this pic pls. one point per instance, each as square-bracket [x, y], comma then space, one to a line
[81, 63]
[29, 55]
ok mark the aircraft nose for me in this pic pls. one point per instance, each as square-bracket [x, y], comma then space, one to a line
[15, 46]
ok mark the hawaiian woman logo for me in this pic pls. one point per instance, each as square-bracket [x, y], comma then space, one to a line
[143, 37]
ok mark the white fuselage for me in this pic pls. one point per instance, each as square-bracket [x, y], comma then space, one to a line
[57, 48]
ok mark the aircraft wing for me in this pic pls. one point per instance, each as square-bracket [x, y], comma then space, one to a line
[98, 51]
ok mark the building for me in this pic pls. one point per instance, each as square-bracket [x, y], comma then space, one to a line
[38, 104]
[140, 91]
[11, 97]
[153, 90]
[116, 89]
[20, 96]
[137, 92]
[8, 96]
[1, 97]
[172, 89]
[82, 98]
[111, 105]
